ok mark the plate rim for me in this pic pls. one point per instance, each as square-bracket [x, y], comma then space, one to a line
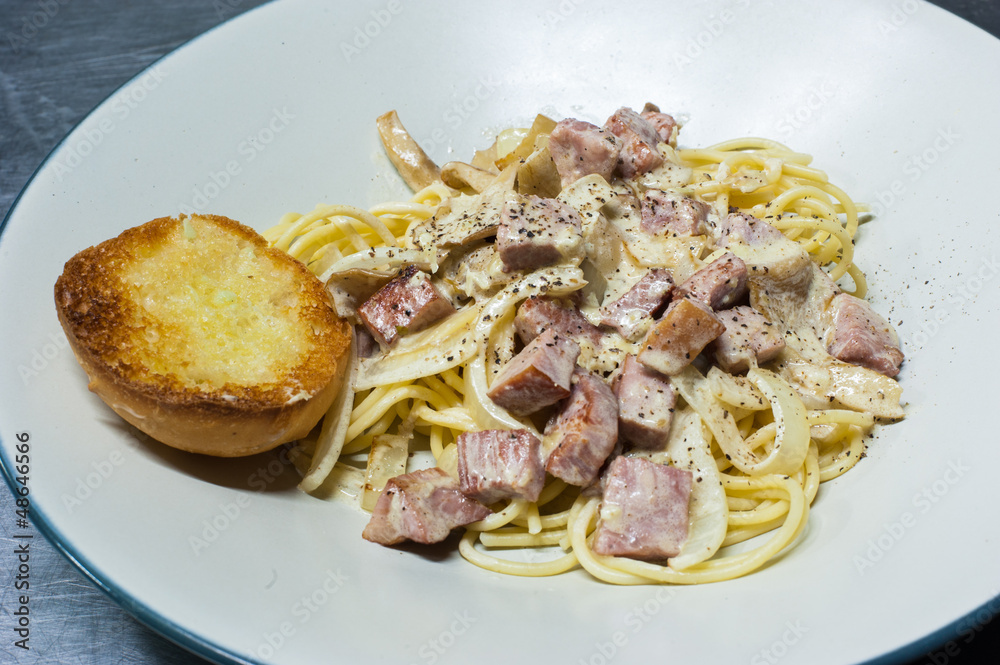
[204, 647]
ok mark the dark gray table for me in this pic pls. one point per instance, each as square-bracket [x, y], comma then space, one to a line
[58, 60]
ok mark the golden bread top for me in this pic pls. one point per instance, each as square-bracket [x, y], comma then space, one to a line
[200, 308]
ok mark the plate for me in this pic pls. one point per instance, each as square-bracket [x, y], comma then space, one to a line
[275, 112]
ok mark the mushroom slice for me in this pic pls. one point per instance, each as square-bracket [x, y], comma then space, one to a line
[413, 164]
[459, 175]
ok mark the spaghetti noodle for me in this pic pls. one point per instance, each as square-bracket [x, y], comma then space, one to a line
[762, 448]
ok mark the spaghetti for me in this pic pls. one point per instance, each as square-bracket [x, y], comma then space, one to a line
[761, 448]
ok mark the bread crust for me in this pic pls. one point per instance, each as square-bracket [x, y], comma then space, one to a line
[102, 320]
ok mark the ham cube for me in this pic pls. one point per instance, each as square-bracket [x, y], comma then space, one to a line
[664, 124]
[408, 303]
[720, 285]
[584, 432]
[679, 336]
[644, 510]
[639, 139]
[579, 148]
[536, 232]
[633, 312]
[539, 376]
[645, 405]
[860, 336]
[749, 339]
[672, 214]
[500, 464]
[741, 227]
[422, 506]
[536, 315]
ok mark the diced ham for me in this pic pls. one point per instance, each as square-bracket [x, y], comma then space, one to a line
[580, 148]
[749, 339]
[633, 312]
[639, 152]
[720, 285]
[860, 336]
[422, 506]
[536, 232]
[663, 123]
[679, 336]
[500, 464]
[644, 510]
[584, 432]
[536, 315]
[645, 405]
[741, 227]
[539, 376]
[673, 214]
[408, 303]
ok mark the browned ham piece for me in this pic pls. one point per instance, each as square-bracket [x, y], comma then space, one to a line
[540, 375]
[639, 139]
[741, 227]
[673, 214]
[632, 313]
[644, 510]
[860, 336]
[584, 432]
[538, 314]
[749, 339]
[645, 405]
[500, 464]
[580, 148]
[663, 123]
[720, 285]
[536, 232]
[422, 506]
[679, 336]
[409, 302]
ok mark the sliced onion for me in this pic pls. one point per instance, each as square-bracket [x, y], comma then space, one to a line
[383, 257]
[487, 414]
[708, 511]
[791, 439]
[444, 345]
[334, 429]
[791, 428]
[386, 460]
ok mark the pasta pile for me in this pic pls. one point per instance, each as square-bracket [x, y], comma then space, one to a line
[434, 389]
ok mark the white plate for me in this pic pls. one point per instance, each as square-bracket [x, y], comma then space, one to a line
[275, 112]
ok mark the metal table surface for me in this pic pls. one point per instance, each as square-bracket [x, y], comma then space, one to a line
[58, 60]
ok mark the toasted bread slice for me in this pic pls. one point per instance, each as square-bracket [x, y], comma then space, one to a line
[202, 336]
